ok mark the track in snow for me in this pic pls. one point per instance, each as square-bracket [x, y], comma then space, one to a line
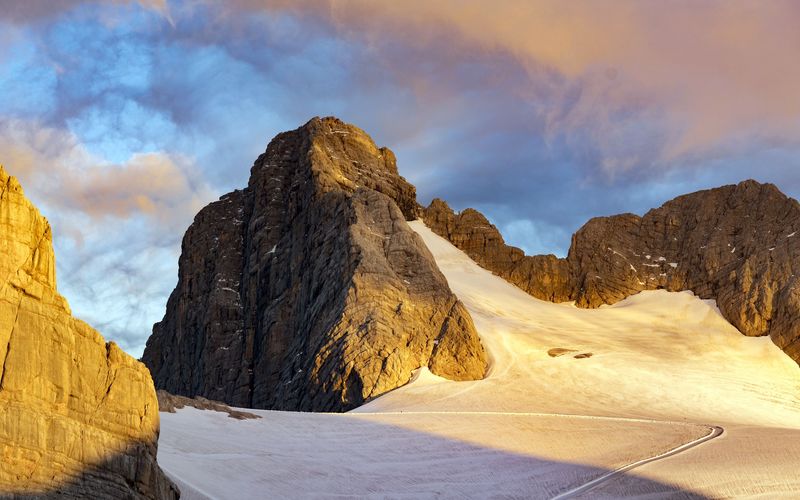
[716, 431]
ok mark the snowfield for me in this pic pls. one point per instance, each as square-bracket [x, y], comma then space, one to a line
[665, 399]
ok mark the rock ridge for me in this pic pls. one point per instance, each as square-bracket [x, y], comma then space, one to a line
[308, 290]
[738, 244]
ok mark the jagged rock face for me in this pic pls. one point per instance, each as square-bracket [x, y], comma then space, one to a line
[737, 244]
[544, 276]
[78, 417]
[308, 290]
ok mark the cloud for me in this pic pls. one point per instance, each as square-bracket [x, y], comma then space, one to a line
[34, 10]
[66, 177]
[117, 227]
[540, 114]
[717, 72]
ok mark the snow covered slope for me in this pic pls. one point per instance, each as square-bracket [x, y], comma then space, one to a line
[653, 373]
[656, 355]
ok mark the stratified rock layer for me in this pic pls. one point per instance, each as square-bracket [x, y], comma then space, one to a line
[78, 417]
[737, 244]
[308, 290]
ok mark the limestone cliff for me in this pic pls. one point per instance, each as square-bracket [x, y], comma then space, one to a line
[737, 244]
[308, 290]
[78, 417]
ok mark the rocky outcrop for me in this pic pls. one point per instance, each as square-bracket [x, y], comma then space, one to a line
[544, 276]
[170, 403]
[78, 417]
[737, 244]
[308, 290]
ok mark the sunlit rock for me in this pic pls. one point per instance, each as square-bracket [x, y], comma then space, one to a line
[78, 416]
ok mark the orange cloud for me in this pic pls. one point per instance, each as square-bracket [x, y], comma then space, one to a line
[60, 174]
[153, 184]
[716, 71]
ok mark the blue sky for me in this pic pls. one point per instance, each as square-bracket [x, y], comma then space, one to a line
[124, 118]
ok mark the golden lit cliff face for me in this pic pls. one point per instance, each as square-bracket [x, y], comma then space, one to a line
[69, 401]
[28, 262]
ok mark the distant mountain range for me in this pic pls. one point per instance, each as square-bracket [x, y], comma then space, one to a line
[307, 290]
[737, 244]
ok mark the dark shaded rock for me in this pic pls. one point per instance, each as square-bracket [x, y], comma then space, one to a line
[737, 244]
[559, 351]
[121, 475]
[170, 403]
[308, 290]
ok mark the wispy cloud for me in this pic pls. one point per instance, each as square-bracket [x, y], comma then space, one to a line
[117, 227]
[122, 118]
[165, 188]
[35, 10]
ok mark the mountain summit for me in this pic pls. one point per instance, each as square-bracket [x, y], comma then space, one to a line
[308, 290]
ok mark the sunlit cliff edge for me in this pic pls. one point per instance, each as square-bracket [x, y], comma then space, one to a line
[78, 416]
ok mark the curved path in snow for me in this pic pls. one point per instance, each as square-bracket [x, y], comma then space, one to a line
[716, 431]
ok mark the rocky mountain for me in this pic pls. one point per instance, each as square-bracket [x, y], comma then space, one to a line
[737, 244]
[307, 290]
[78, 417]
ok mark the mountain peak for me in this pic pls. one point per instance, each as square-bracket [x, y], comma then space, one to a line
[335, 156]
[29, 260]
[308, 290]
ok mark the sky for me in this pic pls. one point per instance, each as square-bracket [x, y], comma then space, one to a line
[123, 118]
